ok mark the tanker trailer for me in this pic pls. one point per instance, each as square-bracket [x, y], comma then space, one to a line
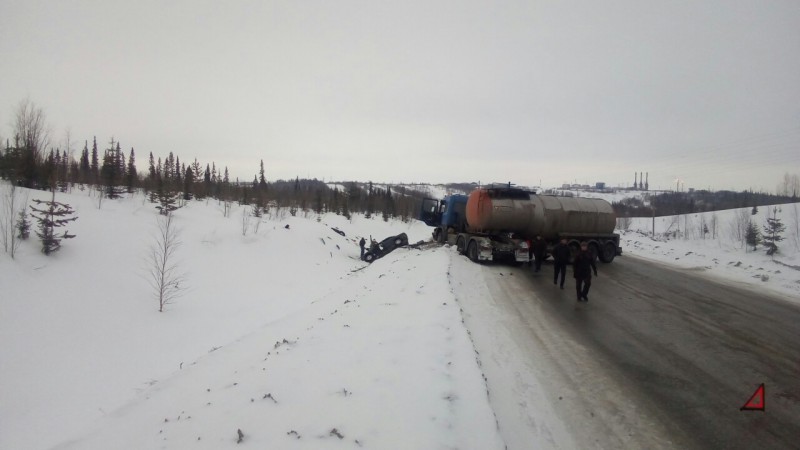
[498, 221]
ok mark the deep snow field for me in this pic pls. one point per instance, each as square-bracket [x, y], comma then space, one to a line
[281, 333]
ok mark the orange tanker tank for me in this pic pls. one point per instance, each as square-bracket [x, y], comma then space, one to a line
[496, 210]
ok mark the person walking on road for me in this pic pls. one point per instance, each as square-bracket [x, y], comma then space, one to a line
[539, 251]
[362, 243]
[583, 266]
[560, 261]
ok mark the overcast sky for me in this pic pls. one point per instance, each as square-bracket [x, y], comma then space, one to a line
[706, 91]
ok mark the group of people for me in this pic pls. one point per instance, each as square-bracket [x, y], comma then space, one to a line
[582, 266]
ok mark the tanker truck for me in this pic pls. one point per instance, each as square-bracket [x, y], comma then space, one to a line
[495, 223]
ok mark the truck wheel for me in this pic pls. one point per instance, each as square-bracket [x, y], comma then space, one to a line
[436, 232]
[460, 245]
[472, 251]
[369, 257]
[608, 253]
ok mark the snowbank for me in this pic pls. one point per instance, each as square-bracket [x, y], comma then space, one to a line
[681, 241]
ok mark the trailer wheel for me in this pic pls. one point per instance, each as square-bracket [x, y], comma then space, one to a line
[472, 251]
[608, 253]
[460, 245]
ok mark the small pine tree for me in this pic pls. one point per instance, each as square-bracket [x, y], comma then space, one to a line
[754, 211]
[51, 216]
[23, 225]
[166, 198]
[752, 236]
[256, 211]
[772, 233]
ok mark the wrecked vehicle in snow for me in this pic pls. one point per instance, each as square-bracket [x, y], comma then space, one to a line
[384, 247]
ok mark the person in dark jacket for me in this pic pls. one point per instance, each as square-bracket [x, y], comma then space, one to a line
[583, 266]
[362, 243]
[539, 251]
[560, 261]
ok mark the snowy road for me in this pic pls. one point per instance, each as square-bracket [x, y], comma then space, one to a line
[659, 358]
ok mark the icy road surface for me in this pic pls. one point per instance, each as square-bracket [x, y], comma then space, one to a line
[659, 357]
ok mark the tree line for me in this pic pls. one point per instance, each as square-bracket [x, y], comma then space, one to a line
[28, 160]
[677, 203]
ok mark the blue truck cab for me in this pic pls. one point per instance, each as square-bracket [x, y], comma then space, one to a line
[448, 214]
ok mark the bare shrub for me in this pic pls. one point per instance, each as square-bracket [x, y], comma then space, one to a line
[737, 227]
[13, 203]
[165, 276]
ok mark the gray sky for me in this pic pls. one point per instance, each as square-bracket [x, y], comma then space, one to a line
[559, 91]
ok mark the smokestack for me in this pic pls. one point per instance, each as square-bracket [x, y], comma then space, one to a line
[647, 181]
[634, 180]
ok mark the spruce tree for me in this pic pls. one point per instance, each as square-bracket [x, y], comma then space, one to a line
[23, 225]
[256, 210]
[169, 167]
[197, 170]
[262, 181]
[188, 181]
[51, 215]
[752, 236]
[151, 174]
[63, 172]
[84, 164]
[110, 173]
[772, 233]
[165, 197]
[132, 175]
[94, 168]
[179, 171]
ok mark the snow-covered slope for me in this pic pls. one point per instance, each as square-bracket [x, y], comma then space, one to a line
[378, 362]
[80, 329]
